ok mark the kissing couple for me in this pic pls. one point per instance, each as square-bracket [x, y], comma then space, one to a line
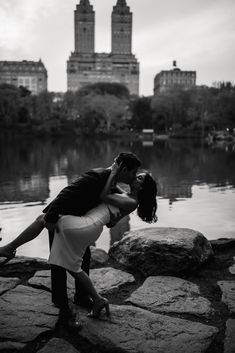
[75, 220]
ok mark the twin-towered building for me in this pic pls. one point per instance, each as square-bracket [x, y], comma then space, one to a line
[85, 66]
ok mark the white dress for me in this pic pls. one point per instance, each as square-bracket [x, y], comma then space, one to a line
[75, 233]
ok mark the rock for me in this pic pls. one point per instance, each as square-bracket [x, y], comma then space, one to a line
[106, 280]
[170, 295]
[134, 330]
[22, 265]
[8, 345]
[232, 269]
[8, 283]
[228, 294]
[56, 345]
[222, 243]
[26, 261]
[98, 257]
[154, 251]
[25, 313]
[229, 342]
[42, 279]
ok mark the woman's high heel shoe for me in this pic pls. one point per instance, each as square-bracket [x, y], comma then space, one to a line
[98, 306]
[7, 252]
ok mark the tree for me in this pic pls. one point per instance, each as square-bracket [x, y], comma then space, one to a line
[141, 112]
[102, 88]
[106, 106]
[9, 104]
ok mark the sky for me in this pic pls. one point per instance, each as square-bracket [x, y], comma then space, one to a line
[198, 34]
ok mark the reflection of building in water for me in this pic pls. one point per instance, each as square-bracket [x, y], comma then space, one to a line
[117, 232]
[32, 189]
[175, 191]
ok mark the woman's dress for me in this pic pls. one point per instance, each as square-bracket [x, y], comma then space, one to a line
[74, 234]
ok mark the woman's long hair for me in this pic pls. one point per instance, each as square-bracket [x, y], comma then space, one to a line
[147, 202]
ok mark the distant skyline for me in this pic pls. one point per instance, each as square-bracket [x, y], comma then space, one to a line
[198, 34]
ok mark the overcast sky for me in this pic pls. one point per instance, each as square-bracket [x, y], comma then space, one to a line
[198, 34]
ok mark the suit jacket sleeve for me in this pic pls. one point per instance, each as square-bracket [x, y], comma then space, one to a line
[78, 197]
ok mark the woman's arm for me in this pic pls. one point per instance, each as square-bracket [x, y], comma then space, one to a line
[122, 201]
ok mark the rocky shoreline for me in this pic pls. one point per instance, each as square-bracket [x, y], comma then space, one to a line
[191, 312]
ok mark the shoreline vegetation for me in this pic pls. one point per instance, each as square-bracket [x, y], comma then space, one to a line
[108, 110]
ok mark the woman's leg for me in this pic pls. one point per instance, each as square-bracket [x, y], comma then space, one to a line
[99, 301]
[27, 235]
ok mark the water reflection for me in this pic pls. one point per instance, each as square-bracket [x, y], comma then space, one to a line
[28, 164]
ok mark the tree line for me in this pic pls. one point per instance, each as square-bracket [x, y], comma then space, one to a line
[108, 108]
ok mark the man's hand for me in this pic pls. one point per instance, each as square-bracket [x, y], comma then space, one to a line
[115, 168]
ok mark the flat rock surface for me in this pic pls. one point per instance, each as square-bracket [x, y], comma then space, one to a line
[26, 261]
[25, 313]
[134, 330]
[170, 294]
[8, 345]
[229, 342]
[7, 283]
[58, 345]
[106, 280]
[162, 251]
[42, 279]
[228, 294]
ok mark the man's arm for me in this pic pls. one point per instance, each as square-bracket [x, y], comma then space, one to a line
[72, 199]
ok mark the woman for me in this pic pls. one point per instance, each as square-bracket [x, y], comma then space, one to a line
[73, 234]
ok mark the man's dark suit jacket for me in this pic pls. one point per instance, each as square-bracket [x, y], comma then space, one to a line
[79, 197]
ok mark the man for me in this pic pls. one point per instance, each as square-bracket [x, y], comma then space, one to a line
[76, 199]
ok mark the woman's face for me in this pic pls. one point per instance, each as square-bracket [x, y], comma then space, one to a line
[138, 182]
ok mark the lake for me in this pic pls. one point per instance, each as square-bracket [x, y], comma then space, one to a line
[196, 183]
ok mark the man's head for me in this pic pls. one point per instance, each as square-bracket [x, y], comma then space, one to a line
[130, 164]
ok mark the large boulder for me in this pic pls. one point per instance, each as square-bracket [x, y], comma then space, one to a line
[155, 251]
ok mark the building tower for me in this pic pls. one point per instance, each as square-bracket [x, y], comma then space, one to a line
[85, 66]
[84, 26]
[121, 28]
